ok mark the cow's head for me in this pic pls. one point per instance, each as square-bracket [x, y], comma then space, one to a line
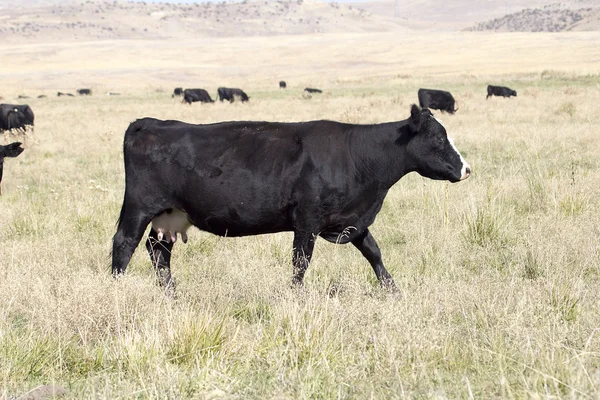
[452, 107]
[514, 92]
[431, 152]
[10, 150]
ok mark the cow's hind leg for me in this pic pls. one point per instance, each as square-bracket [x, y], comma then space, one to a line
[1, 170]
[160, 254]
[304, 243]
[132, 225]
[367, 245]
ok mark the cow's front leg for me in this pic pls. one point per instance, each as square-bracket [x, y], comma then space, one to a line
[367, 245]
[304, 243]
[160, 254]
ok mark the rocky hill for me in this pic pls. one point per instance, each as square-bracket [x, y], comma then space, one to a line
[48, 21]
[550, 18]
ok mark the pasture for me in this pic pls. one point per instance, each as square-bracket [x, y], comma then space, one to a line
[498, 274]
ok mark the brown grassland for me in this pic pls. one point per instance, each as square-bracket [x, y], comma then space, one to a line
[498, 275]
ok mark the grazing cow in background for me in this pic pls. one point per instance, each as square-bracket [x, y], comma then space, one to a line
[177, 92]
[282, 85]
[113, 94]
[22, 96]
[16, 116]
[231, 93]
[11, 150]
[437, 99]
[84, 92]
[192, 95]
[59, 94]
[502, 91]
[317, 178]
[313, 90]
[42, 96]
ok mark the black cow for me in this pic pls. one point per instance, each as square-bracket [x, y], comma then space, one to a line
[500, 91]
[282, 85]
[42, 96]
[230, 94]
[177, 92]
[84, 92]
[192, 95]
[16, 116]
[318, 178]
[313, 90]
[11, 150]
[59, 94]
[437, 99]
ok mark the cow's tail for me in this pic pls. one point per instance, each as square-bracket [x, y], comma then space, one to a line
[128, 140]
[455, 108]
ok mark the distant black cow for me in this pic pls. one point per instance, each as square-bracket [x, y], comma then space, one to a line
[42, 96]
[84, 92]
[11, 150]
[22, 96]
[313, 90]
[192, 95]
[502, 91]
[16, 116]
[177, 92]
[59, 94]
[231, 93]
[437, 99]
[282, 85]
[317, 178]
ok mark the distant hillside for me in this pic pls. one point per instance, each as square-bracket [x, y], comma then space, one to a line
[48, 21]
[550, 18]
[444, 15]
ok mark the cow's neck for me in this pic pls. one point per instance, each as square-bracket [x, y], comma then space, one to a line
[379, 152]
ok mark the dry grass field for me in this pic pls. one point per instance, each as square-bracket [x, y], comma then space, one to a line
[498, 275]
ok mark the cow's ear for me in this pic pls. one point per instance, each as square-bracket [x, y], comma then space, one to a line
[415, 118]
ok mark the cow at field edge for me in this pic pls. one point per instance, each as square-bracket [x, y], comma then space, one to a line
[313, 90]
[231, 93]
[16, 116]
[84, 92]
[11, 150]
[282, 85]
[437, 99]
[318, 178]
[177, 92]
[59, 94]
[192, 95]
[502, 91]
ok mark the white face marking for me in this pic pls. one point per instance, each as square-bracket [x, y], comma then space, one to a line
[465, 165]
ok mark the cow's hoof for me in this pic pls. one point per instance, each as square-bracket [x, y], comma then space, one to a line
[389, 286]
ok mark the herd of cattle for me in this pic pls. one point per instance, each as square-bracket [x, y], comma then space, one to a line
[428, 98]
[230, 94]
[316, 178]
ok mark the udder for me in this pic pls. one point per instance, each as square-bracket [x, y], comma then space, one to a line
[171, 222]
